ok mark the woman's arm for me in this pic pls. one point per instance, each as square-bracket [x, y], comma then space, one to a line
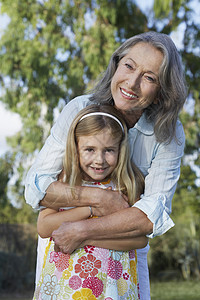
[49, 162]
[127, 224]
[103, 202]
[50, 219]
[126, 244]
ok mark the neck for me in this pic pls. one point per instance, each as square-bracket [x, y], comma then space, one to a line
[132, 117]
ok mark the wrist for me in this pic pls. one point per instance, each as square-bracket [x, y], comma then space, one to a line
[87, 196]
[83, 229]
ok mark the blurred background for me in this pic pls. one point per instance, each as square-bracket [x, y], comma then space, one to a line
[52, 51]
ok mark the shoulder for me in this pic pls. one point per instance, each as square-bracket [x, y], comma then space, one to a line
[60, 129]
[77, 104]
[144, 125]
[144, 147]
[71, 109]
[180, 131]
[174, 148]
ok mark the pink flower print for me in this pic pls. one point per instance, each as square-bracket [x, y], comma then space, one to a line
[87, 265]
[89, 249]
[75, 282]
[103, 255]
[126, 276]
[54, 256]
[114, 269]
[132, 254]
[95, 284]
[62, 262]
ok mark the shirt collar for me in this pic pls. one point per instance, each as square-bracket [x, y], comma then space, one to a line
[144, 125]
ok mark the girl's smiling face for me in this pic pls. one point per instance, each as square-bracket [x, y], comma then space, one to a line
[135, 84]
[98, 155]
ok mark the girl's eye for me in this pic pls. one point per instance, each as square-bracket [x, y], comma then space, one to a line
[89, 149]
[109, 150]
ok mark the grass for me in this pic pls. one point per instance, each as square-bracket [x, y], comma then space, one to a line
[172, 290]
[175, 290]
[19, 296]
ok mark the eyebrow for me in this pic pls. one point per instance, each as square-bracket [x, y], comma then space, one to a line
[148, 71]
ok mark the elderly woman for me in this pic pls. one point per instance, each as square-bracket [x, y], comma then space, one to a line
[145, 81]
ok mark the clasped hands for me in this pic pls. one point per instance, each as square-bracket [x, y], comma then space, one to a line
[73, 235]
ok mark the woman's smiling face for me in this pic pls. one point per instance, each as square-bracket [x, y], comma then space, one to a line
[135, 84]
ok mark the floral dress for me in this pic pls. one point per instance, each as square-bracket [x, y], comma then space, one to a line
[88, 273]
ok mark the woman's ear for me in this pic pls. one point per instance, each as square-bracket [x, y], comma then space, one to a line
[156, 100]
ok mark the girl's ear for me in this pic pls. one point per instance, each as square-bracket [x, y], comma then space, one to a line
[61, 176]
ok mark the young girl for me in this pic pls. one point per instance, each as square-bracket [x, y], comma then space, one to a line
[97, 154]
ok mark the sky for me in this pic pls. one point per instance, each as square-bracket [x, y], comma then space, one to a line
[9, 122]
[9, 125]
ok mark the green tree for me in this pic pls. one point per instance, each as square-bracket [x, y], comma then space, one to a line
[52, 51]
[9, 214]
[180, 248]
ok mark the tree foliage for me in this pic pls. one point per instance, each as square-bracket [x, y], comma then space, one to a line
[52, 51]
[9, 214]
[184, 237]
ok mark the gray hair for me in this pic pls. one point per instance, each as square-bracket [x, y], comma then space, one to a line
[173, 91]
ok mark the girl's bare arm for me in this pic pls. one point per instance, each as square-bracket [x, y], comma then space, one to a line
[50, 219]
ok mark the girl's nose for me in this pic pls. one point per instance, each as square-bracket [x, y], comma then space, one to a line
[99, 158]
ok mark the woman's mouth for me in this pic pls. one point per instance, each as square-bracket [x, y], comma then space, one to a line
[128, 94]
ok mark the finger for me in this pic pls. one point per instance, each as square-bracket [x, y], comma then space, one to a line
[125, 197]
[64, 250]
[56, 248]
[109, 188]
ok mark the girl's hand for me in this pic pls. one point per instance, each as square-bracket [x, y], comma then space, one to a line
[124, 196]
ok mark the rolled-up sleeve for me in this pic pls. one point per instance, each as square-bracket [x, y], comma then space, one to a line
[49, 162]
[160, 182]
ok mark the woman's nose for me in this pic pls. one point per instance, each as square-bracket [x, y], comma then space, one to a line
[133, 81]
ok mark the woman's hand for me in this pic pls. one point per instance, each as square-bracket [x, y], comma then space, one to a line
[68, 237]
[98, 232]
[105, 201]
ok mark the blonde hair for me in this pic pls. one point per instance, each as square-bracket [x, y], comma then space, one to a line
[126, 176]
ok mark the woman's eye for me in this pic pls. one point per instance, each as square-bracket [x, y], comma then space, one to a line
[149, 78]
[128, 66]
